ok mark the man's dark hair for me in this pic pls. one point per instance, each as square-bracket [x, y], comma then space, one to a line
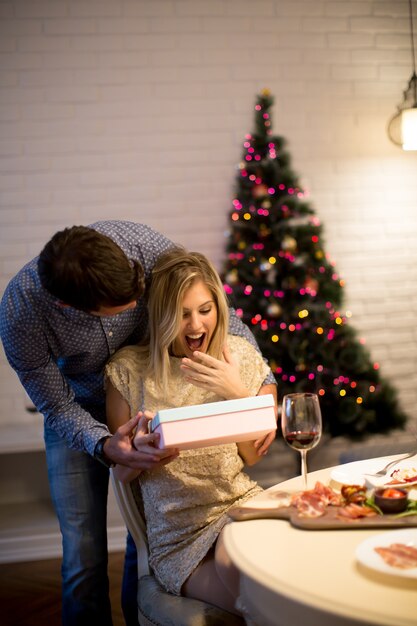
[88, 270]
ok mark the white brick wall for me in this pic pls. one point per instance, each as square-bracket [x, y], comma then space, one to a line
[137, 109]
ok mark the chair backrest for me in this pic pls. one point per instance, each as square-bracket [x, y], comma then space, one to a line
[127, 497]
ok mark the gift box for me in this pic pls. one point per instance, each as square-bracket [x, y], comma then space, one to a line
[215, 423]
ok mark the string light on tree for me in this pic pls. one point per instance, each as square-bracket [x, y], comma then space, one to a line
[286, 288]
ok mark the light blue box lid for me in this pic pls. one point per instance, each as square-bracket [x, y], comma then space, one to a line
[211, 408]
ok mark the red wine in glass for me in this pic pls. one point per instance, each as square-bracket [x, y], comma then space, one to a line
[301, 424]
[300, 440]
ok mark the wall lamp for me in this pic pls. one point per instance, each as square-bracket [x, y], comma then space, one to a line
[402, 127]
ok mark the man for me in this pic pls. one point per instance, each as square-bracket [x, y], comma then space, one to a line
[61, 317]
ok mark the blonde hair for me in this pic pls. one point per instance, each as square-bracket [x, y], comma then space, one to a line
[174, 273]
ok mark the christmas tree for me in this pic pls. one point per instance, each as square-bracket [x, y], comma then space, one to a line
[286, 289]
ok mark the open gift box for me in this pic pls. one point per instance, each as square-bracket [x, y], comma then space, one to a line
[215, 423]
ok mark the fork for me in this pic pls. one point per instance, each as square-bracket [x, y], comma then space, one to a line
[385, 469]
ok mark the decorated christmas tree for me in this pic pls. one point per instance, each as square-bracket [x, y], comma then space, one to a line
[286, 289]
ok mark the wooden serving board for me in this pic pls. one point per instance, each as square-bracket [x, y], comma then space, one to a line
[328, 521]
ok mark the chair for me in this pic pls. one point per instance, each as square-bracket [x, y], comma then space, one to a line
[157, 607]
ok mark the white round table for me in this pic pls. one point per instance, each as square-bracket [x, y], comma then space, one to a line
[311, 577]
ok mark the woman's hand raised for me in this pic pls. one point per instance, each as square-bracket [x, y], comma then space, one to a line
[220, 377]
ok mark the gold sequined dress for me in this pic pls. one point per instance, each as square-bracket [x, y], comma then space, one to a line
[186, 501]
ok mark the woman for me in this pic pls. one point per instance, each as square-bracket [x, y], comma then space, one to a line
[189, 359]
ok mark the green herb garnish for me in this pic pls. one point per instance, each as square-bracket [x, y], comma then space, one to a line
[410, 510]
[371, 503]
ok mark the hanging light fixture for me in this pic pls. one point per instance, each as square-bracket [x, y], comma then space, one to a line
[402, 127]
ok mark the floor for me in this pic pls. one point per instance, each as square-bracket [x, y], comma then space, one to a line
[30, 593]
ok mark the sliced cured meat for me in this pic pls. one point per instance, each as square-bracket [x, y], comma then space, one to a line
[310, 505]
[398, 555]
[328, 495]
[356, 511]
[313, 502]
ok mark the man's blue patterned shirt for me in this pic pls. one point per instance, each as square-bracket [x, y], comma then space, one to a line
[59, 353]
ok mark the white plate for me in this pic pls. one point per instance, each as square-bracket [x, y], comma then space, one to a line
[354, 473]
[366, 555]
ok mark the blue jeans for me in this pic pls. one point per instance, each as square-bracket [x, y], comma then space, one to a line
[79, 488]
[130, 584]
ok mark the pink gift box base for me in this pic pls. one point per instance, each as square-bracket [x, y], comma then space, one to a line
[215, 423]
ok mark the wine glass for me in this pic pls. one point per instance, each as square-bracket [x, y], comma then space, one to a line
[301, 424]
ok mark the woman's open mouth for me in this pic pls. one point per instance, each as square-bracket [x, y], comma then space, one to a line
[195, 342]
